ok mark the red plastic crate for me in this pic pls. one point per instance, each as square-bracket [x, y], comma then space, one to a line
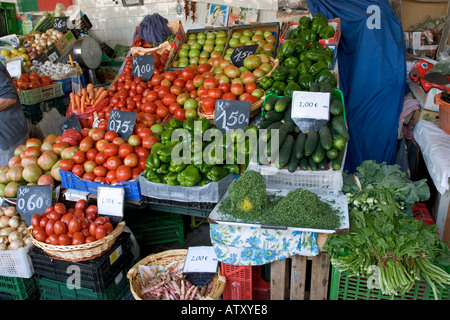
[240, 280]
[421, 213]
[261, 290]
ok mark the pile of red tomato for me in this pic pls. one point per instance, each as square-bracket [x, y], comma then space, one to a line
[61, 226]
[32, 81]
[104, 157]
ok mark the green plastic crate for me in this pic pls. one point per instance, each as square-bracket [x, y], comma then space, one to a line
[345, 287]
[33, 96]
[19, 288]
[156, 227]
[57, 290]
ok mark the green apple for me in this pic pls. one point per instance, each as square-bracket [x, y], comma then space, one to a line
[236, 35]
[244, 39]
[221, 34]
[201, 35]
[210, 35]
[185, 46]
[248, 33]
[194, 53]
[233, 42]
[183, 53]
[196, 46]
[192, 36]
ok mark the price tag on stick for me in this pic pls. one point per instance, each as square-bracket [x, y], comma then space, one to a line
[240, 53]
[122, 122]
[310, 110]
[71, 123]
[33, 199]
[143, 66]
[60, 24]
[231, 114]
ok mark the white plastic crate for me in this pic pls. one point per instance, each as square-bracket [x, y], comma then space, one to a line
[320, 181]
[16, 263]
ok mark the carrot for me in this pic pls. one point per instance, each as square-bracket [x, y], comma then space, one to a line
[72, 100]
[90, 91]
[102, 96]
[83, 100]
[77, 101]
[99, 92]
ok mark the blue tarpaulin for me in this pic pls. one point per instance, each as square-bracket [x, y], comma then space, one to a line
[372, 75]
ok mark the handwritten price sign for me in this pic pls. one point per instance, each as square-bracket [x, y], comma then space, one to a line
[240, 53]
[122, 122]
[231, 114]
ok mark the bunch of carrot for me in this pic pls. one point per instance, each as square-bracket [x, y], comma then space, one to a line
[88, 96]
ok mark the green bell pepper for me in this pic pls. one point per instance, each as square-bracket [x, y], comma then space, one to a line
[309, 35]
[217, 173]
[204, 168]
[300, 45]
[279, 73]
[302, 68]
[305, 81]
[327, 61]
[165, 154]
[316, 46]
[279, 85]
[171, 179]
[316, 67]
[291, 87]
[156, 147]
[304, 22]
[287, 49]
[176, 167]
[279, 54]
[204, 182]
[176, 123]
[292, 75]
[189, 125]
[326, 75]
[266, 83]
[152, 163]
[319, 16]
[151, 176]
[293, 34]
[201, 125]
[232, 168]
[163, 169]
[317, 25]
[326, 32]
[166, 136]
[189, 177]
[315, 55]
[291, 62]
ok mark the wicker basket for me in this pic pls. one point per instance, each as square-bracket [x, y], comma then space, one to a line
[164, 258]
[80, 252]
[254, 109]
[274, 63]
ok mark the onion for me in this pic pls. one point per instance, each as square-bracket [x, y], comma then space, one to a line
[37, 36]
[26, 240]
[23, 224]
[15, 235]
[6, 231]
[16, 244]
[59, 35]
[14, 222]
[49, 43]
[4, 239]
[3, 246]
[2, 213]
[4, 221]
[10, 211]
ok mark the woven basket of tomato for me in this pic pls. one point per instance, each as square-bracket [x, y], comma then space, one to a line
[75, 234]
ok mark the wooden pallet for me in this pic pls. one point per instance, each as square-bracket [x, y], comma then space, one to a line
[300, 278]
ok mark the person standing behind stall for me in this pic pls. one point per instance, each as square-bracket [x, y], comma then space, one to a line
[13, 126]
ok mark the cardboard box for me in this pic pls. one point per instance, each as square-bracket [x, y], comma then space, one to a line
[422, 43]
[55, 51]
[426, 99]
[274, 27]
[428, 115]
[335, 23]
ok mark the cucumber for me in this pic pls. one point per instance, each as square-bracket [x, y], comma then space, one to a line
[273, 116]
[312, 164]
[282, 104]
[326, 87]
[297, 129]
[332, 153]
[339, 127]
[323, 164]
[304, 163]
[283, 132]
[312, 139]
[325, 138]
[266, 136]
[270, 103]
[336, 164]
[338, 142]
[336, 107]
[318, 154]
[315, 87]
[293, 161]
[285, 152]
[264, 124]
[300, 145]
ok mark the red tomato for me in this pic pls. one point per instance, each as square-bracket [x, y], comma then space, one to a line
[74, 225]
[85, 233]
[49, 228]
[110, 135]
[152, 96]
[66, 218]
[90, 239]
[100, 221]
[100, 171]
[173, 107]
[170, 75]
[208, 103]
[100, 232]
[113, 163]
[54, 239]
[142, 152]
[146, 132]
[78, 213]
[228, 96]
[148, 142]
[148, 107]
[59, 228]
[81, 204]
[49, 209]
[111, 149]
[215, 93]
[111, 176]
[78, 170]
[78, 238]
[100, 158]
[60, 208]
[156, 79]
[64, 240]
[90, 154]
[92, 209]
[125, 149]
[35, 220]
[162, 111]
[66, 164]
[109, 228]
[92, 228]
[123, 173]
[180, 114]
[79, 157]
[43, 222]
[179, 83]
[187, 74]
[89, 176]
[54, 215]
[84, 223]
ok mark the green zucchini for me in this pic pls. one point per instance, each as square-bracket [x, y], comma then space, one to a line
[264, 124]
[282, 104]
[300, 145]
[339, 127]
[336, 164]
[323, 164]
[318, 154]
[293, 161]
[304, 163]
[312, 139]
[325, 138]
[336, 107]
[270, 103]
[285, 152]
[273, 116]
[312, 164]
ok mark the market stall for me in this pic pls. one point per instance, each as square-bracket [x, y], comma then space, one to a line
[242, 131]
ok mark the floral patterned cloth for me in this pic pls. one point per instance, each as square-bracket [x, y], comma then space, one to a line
[252, 246]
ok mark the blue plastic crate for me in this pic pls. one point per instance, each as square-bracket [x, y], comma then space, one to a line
[67, 83]
[70, 181]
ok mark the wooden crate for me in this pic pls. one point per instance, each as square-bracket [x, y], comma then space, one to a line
[300, 278]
